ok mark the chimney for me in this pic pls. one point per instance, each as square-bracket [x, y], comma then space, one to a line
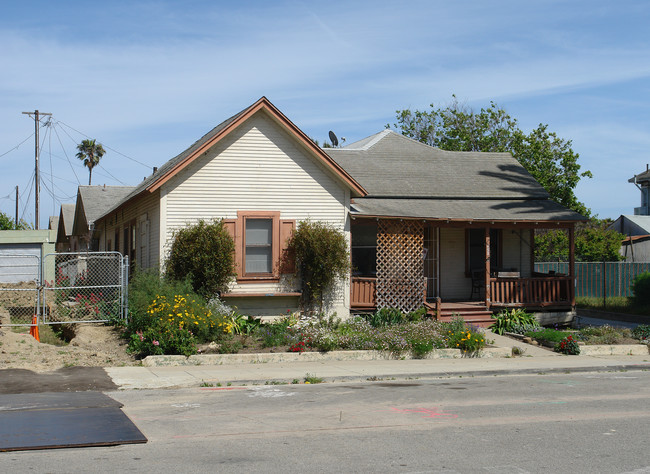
[155, 168]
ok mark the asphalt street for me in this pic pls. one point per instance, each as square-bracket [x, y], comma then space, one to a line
[579, 422]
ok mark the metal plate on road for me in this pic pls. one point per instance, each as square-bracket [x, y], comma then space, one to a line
[61, 420]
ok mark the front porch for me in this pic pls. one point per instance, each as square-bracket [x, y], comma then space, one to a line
[468, 269]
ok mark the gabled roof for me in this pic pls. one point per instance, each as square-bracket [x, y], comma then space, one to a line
[93, 202]
[406, 178]
[207, 141]
[632, 225]
[66, 218]
[641, 177]
[391, 165]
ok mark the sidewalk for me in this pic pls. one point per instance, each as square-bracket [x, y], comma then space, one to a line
[534, 361]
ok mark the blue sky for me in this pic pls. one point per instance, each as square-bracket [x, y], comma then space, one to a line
[147, 79]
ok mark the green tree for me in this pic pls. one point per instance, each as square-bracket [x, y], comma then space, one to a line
[594, 243]
[548, 158]
[204, 254]
[7, 223]
[90, 152]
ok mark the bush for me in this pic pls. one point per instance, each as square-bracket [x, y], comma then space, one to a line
[461, 336]
[146, 286]
[642, 332]
[322, 257]
[641, 289]
[604, 334]
[385, 317]
[568, 346]
[508, 321]
[204, 254]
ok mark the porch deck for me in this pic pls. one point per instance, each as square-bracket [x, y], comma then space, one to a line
[541, 291]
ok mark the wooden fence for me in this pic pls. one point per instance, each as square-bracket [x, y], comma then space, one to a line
[599, 279]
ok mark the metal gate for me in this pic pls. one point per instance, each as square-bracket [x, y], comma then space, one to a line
[64, 288]
[20, 277]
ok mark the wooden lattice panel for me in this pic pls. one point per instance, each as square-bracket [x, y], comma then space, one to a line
[400, 265]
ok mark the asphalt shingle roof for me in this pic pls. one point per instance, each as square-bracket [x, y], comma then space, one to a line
[406, 178]
[391, 165]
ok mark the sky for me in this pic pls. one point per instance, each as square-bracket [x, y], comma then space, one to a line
[148, 78]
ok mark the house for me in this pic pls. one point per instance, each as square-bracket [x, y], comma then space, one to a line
[64, 228]
[642, 181]
[425, 225]
[92, 202]
[256, 170]
[636, 246]
[454, 226]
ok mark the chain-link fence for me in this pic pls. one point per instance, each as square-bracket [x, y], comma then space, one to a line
[19, 289]
[84, 287]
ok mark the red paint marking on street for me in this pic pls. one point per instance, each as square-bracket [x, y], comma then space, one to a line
[223, 388]
[429, 412]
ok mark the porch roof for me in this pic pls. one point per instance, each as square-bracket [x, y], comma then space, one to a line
[505, 210]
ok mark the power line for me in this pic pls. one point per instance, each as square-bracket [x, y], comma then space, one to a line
[66, 155]
[16, 147]
[105, 146]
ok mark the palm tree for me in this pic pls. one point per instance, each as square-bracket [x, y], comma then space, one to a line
[90, 153]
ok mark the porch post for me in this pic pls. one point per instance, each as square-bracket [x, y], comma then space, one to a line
[487, 268]
[572, 266]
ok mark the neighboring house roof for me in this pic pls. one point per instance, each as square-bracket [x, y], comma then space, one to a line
[65, 224]
[93, 202]
[179, 162]
[632, 225]
[406, 178]
[641, 177]
[636, 238]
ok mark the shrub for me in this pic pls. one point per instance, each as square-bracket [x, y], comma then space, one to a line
[507, 321]
[322, 257]
[603, 334]
[144, 287]
[161, 339]
[385, 317]
[642, 332]
[461, 336]
[568, 345]
[641, 289]
[204, 254]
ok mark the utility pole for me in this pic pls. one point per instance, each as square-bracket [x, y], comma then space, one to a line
[37, 180]
[16, 207]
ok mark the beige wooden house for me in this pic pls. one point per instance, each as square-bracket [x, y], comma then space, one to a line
[450, 230]
[259, 173]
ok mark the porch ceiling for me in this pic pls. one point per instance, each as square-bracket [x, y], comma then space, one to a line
[509, 210]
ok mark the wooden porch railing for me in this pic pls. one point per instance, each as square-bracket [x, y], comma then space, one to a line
[548, 291]
[363, 292]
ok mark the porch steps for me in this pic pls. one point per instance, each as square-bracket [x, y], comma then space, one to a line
[472, 312]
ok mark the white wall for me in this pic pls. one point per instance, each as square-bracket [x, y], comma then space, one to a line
[257, 167]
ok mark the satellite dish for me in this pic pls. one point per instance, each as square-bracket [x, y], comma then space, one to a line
[333, 139]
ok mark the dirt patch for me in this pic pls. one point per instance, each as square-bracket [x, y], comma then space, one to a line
[94, 345]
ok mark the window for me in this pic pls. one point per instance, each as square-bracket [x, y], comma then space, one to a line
[258, 239]
[260, 245]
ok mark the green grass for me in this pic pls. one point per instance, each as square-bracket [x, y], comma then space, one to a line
[615, 304]
[548, 335]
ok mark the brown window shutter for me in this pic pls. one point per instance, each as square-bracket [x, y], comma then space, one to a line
[231, 226]
[287, 260]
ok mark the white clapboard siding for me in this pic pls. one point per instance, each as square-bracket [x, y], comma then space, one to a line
[257, 167]
[148, 206]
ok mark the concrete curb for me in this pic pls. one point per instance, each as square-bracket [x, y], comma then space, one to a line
[280, 357]
[621, 349]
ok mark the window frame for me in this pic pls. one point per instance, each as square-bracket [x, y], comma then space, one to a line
[496, 249]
